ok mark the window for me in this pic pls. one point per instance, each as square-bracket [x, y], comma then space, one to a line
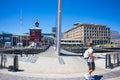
[7, 38]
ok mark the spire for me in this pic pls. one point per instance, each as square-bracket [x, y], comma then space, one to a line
[37, 24]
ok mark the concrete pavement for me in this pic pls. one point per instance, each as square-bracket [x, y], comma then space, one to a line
[50, 66]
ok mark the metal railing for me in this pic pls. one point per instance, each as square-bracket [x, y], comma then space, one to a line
[112, 60]
[24, 50]
[3, 61]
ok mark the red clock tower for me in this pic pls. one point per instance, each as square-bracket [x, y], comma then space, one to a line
[35, 35]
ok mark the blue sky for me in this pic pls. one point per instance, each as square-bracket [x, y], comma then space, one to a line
[45, 11]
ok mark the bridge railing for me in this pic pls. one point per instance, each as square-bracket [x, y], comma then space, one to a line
[112, 60]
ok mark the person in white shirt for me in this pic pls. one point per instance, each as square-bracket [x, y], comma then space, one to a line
[90, 62]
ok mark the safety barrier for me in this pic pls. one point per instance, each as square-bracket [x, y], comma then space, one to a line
[13, 67]
[112, 60]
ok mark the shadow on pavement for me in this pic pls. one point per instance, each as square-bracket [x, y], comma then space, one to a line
[98, 77]
[16, 70]
[63, 54]
[20, 70]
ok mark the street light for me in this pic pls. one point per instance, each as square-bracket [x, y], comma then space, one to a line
[59, 27]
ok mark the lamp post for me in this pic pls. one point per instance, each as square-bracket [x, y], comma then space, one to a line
[59, 27]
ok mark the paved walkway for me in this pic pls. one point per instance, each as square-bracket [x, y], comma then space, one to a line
[49, 66]
[107, 76]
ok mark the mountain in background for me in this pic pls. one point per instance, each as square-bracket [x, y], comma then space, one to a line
[114, 34]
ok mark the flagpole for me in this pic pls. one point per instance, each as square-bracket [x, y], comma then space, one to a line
[59, 27]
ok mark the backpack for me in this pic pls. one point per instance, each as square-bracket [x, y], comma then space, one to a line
[86, 54]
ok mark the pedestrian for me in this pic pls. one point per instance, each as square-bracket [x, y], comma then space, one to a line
[90, 62]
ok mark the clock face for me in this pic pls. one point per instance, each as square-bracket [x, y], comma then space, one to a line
[33, 33]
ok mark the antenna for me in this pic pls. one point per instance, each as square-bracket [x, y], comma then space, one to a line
[21, 25]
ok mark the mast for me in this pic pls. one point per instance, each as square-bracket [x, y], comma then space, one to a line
[59, 27]
[21, 25]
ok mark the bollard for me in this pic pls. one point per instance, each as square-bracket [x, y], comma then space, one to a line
[1, 66]
[15, 63]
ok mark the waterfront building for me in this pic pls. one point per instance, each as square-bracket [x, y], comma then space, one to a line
[22, 38]
[48, 35]
[5, 37]
[71, 42]
[49, 38]
[54, 29]
[115, 42]
[35, 35]
[89, 33]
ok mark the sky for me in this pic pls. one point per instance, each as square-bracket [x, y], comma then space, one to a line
[45, 11]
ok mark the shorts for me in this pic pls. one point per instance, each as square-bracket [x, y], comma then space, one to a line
[91, 64]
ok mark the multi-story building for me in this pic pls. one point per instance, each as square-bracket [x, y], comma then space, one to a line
[49, 38]
[5, 37]
[22, 38]
[89, 33]
[54, 29]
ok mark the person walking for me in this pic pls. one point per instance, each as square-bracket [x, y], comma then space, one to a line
[90, 62]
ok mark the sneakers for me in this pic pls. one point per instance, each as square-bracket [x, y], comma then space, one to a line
[87, 75]
[91, 77]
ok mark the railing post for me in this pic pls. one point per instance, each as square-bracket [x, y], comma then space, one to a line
[1, 66]
[108, 61]
[118, 62]
[4, 60]
[21, 53]
[114, 58]
[110, 64]
[26, 52]
[119, 59]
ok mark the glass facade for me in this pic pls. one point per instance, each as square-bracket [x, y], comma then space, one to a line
[5, 37]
